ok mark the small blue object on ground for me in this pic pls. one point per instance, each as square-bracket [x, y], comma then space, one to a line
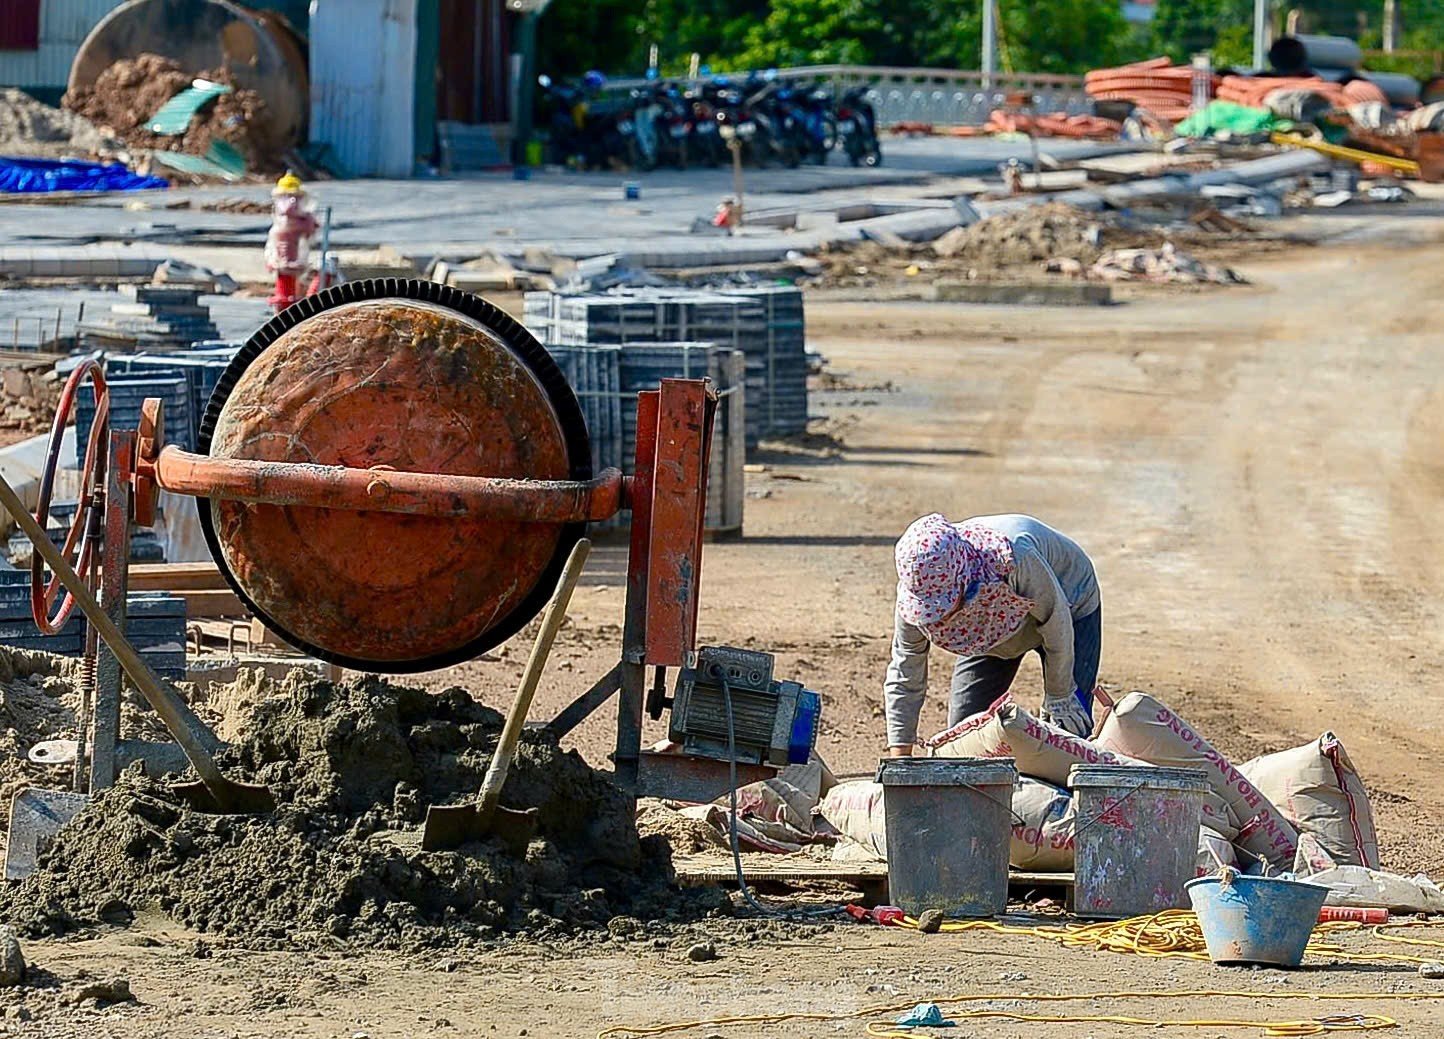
[924, 1015]
[632, 191]
[1263, 920]
[41, 176]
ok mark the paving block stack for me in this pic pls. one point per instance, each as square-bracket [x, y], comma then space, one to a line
[765, 324]
[155, 624]
[607, 379]
[150, 317]
[17, 626]
[127, 394]
[202, 370]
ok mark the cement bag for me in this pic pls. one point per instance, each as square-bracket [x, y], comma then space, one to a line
[855, 811]
[1045, 751]
[1362, 886]
[1043, 820]
[1318, 790]
[1146, 729]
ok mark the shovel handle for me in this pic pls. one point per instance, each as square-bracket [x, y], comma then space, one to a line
[541, 649]
[162, 700]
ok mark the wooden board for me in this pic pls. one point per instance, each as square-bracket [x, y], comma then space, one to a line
[714, 868]
[209, 604]
[175, 577]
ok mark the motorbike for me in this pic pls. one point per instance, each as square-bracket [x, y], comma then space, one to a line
[857, 128]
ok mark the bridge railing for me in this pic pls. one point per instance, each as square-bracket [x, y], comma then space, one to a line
[944, 97]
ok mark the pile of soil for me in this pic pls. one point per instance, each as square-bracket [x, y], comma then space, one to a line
[1026, 237]
[1021, 245]
[29, 129]
[128, 94]
[354, 767]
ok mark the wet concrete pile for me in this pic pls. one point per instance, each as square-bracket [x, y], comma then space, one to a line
[127, 95]
[354, 767]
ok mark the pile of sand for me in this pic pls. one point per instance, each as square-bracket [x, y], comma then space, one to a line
[128, 94]
[354, 767]
[29, 129]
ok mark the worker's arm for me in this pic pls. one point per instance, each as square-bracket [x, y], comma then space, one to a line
[905, 687]
[1034, 579]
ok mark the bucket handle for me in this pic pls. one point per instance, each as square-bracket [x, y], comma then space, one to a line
[986, 797]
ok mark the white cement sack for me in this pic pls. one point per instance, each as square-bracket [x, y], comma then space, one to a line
[1361, 886]
[1146, 729]
[1006, 730]
[1044, 817]
[855, 811]
[1317, 788]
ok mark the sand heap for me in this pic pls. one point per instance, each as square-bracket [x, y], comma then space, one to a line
[29, 129]
[354, 767]
[128, 94]
[1026, 236]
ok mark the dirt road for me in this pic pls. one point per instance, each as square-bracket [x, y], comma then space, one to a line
[1258, 473]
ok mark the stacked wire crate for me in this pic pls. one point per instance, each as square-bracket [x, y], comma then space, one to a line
[606, 380]
[764, 322]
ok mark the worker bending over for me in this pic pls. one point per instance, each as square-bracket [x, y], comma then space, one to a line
[991, 589]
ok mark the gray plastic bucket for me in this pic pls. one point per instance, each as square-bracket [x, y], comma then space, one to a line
[949, 822]
[1136, 838]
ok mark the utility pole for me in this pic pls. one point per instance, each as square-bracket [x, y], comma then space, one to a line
[524, 64]
[990, 42]
[1391, 25]
[1260, 33]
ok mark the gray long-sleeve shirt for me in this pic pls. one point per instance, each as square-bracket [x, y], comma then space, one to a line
[1048, 568]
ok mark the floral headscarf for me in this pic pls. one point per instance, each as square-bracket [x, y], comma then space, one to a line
[953, 585]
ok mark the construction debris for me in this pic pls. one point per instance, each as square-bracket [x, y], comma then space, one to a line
[126, 97]
[1165, 264]
[29, 392]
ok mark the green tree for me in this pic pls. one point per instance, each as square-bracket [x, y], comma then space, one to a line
[1063, 36]
[1182, 28]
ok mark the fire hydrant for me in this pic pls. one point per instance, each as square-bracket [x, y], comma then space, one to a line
[288, 243]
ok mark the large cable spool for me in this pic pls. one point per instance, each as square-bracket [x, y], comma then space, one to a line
[257, 48]
[416, 377]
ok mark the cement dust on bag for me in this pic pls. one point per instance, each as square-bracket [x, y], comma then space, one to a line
[354, 766]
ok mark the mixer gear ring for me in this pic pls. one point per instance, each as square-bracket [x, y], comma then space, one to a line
[562, 422]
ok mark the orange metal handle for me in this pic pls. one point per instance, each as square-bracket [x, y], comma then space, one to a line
[386, 490]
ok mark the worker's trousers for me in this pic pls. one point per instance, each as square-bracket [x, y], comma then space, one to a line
[978, 681]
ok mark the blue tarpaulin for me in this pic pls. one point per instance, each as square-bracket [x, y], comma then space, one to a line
[37, 176]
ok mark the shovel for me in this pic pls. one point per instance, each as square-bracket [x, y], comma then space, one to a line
[214, 792]
[454, 825]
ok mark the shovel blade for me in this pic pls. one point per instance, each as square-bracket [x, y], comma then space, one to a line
[36, 816]
[451, 826]
[228, 797]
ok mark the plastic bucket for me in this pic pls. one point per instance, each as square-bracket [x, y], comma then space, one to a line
[1256, 919]
[949, 822]
[1136, 840]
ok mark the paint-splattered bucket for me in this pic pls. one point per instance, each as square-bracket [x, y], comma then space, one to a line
[949, 823]
[1256, 919]
[1136, 841]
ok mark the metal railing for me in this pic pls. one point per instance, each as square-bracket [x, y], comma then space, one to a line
[943, 97]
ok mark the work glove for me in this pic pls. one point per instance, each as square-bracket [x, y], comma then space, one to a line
[1069, 715]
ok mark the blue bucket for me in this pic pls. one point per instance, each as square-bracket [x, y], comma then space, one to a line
[1256, 919]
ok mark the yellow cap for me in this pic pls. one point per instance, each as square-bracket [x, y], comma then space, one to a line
[290, 184]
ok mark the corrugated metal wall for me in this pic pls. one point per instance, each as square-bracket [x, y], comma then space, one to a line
[363, 84]
[64, 24]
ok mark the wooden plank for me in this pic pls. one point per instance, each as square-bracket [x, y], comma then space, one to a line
[710, 869]
[209, 603]
[176, 577]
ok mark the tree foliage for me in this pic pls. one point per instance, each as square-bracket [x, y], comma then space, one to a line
[1034, 35]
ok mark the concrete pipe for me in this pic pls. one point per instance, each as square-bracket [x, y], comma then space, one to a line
[258, 49]
[1293, 53]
